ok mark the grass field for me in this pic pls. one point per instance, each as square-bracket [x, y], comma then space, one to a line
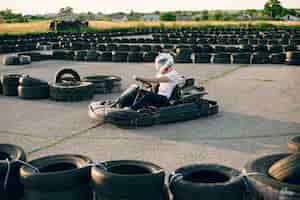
[43, 26]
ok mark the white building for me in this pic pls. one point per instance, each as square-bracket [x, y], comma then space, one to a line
[151, 17]
[119, 18]
[244, 17]
[291, 18]
[184, 18]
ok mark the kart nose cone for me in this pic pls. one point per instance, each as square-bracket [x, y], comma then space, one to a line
[96, 111]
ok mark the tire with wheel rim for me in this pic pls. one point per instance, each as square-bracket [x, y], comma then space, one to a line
[266, 187]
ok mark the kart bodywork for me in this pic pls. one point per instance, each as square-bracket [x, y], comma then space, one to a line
[186, 103]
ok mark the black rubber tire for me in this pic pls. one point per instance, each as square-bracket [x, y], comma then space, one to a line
[11, 60]
[77, 92]
[27, 80]
[150, 56]
[293, 58]
[210, 181]
[126, 179]
[59, 54]
[91, 55]
[183, 55]
[1, 88]
[35, 56]
[278, 58]
[222, 58]
[80, 55]
[145, 48]
[10, 84]
[202, 58]
[241, 58]
[34, 92]
[25, 60]
[61, 177]
[123, 47]
[66, 71]
[294, 144]
[105, 56]
[260, 58]
[135, 57]
[287, 170]
[264, 186]
[104, 84]
[119, 56]
[15, 189]
[134, 48]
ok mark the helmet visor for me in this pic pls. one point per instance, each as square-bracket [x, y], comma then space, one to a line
[161, 62]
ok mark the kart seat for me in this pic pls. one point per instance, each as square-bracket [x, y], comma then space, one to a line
[176, 94]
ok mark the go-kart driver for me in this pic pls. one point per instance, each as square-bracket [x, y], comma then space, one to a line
[166, 79]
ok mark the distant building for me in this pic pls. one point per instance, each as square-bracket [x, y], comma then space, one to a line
[291, 18]
[244, 17]
[119, 18]
[99, 16]
[64, 17]
[151, 17]
[184, 17]
[50, 15]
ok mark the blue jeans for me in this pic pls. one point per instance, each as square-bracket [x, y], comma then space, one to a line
[151, 99]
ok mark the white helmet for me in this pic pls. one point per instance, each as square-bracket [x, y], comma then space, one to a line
[163, 61]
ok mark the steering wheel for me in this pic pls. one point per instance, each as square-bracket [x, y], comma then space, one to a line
[144, 83]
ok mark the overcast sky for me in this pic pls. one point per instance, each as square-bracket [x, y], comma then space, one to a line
[108, 6]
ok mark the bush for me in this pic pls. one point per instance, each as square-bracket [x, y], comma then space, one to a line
[169, 16]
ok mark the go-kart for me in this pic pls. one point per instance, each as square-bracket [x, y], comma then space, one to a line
[185, 103]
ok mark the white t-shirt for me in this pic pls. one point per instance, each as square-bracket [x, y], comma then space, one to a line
[166, 89]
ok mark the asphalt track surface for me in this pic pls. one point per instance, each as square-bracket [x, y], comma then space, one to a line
[259, 111]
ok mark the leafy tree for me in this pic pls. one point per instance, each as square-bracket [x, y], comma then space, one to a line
[205, 15]
[197, 18]
[66, 11]
[218, 15]
[168, 16]
[131, 13]
[274, 9]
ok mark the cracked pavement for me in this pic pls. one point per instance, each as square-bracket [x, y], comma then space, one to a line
[259, 111]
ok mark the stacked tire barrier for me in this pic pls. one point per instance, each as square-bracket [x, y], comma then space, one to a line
[17, 60]
[10, 185]
[104, 84]
[126, 179]
[57, 177]
[10, 84]
[70, 87]
[76, 177]
[67, 86]
[32, 88]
